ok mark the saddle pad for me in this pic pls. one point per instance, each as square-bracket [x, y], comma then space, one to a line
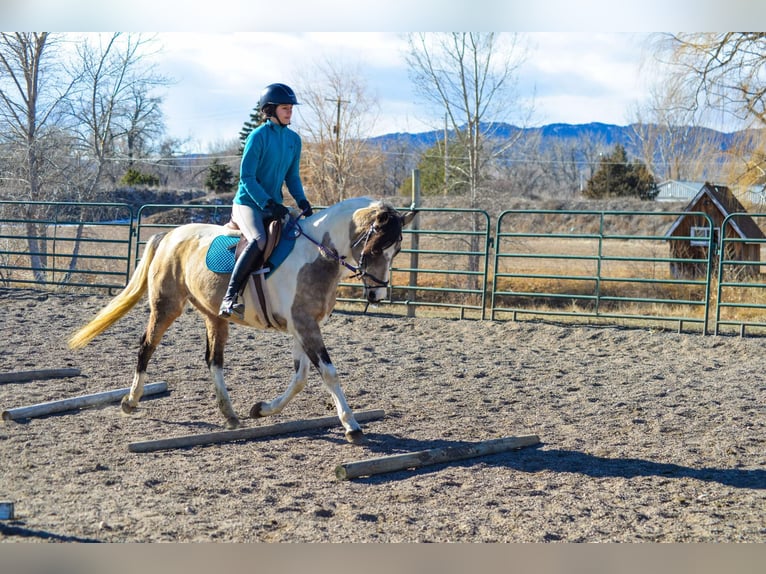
[220, 254]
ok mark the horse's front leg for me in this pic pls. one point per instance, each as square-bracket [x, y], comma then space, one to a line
[297, 383]
[321, 360]
[332, 384]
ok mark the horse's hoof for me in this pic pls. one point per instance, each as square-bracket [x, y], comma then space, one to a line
[355, 436]
[127, 408]
[255, 411]
[232, 423]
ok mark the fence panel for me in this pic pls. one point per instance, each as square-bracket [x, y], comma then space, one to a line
[741, 293]
[605, 266]
[65, 244]
[610, 266]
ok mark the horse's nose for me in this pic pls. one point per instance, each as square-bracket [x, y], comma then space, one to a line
[376, 294]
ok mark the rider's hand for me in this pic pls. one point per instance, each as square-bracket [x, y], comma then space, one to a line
[305, 207]
[277, 209]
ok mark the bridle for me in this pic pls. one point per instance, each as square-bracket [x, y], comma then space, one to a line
[359, 271]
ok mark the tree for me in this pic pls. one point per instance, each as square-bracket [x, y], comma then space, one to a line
[70, 120]
[616, 177]
[470, 76]
[33, 91]
[220, 177]
[723, 74]
[724, 71]
[256, 119]
[670, 134]
[339, 114]
[112, 109]
[432, 166]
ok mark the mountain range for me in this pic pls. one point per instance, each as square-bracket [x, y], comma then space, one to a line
[606, 134]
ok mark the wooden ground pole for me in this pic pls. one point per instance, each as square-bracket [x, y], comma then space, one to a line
[247, 433]
[24, 376]
[379, 465]
[43, 409]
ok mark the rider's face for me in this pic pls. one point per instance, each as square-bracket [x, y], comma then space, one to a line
[284, 113]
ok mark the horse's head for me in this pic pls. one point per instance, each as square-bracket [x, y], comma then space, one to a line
[376, 238]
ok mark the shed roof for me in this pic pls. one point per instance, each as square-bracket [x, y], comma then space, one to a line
[675, 190]
[726, 203]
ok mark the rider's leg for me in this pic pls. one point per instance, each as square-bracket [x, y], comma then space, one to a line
[250, 223]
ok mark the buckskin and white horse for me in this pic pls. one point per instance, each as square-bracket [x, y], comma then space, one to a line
[356, 237]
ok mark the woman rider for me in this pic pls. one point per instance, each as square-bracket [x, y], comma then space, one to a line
[271, 157]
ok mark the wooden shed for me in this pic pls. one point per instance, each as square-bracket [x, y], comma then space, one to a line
[689, 234]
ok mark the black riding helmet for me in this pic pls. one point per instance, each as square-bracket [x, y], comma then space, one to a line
[274, 95]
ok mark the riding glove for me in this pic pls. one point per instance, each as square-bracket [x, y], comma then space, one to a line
[305, 207]
[277, 209]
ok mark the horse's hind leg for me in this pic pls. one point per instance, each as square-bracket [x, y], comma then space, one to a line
[217, 335]
[162, 315]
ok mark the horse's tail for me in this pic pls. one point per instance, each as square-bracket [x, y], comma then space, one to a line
[123, 302]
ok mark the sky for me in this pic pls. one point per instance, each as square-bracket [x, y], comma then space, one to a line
[567, 77]
[584, 59]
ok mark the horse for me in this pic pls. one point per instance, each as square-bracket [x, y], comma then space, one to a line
[356, 237]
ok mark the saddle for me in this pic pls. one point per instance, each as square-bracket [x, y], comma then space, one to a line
[258, 271]
[273, 233]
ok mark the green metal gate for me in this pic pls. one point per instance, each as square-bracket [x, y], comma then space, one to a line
[741, 293]
[606, 268]
[65, 244]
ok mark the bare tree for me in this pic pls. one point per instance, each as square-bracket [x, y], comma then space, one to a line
[670, 135]
[115, 114]
[471, 76]
[723, 73]
[723, 70]
[66, 120]
[33, 91]
[339, 114]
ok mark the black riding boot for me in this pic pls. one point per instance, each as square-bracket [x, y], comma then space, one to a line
[242, 270]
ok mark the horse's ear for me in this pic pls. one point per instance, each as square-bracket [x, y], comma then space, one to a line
[408, 217]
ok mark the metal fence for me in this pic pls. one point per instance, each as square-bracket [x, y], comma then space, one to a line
[741, 293]
[85, 245]
[595, 270]
[597, 267]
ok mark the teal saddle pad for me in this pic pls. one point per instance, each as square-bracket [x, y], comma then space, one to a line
[220, 254]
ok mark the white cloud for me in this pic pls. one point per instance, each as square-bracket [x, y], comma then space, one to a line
[218, 77]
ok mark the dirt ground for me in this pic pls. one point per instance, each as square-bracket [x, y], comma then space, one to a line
[645, 435]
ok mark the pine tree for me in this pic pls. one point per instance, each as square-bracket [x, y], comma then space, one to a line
[219, 178]
[256, 119]
[617, 177]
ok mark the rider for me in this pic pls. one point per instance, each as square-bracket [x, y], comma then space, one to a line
[271, 157]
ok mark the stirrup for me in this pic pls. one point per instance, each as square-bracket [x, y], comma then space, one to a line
[229, 308]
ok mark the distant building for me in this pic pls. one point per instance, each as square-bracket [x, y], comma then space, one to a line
[684, 191]
[673, 190]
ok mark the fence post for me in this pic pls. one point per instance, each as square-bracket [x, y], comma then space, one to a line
[414, 243]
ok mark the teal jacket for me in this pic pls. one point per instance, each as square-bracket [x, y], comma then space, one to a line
[271, 157]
